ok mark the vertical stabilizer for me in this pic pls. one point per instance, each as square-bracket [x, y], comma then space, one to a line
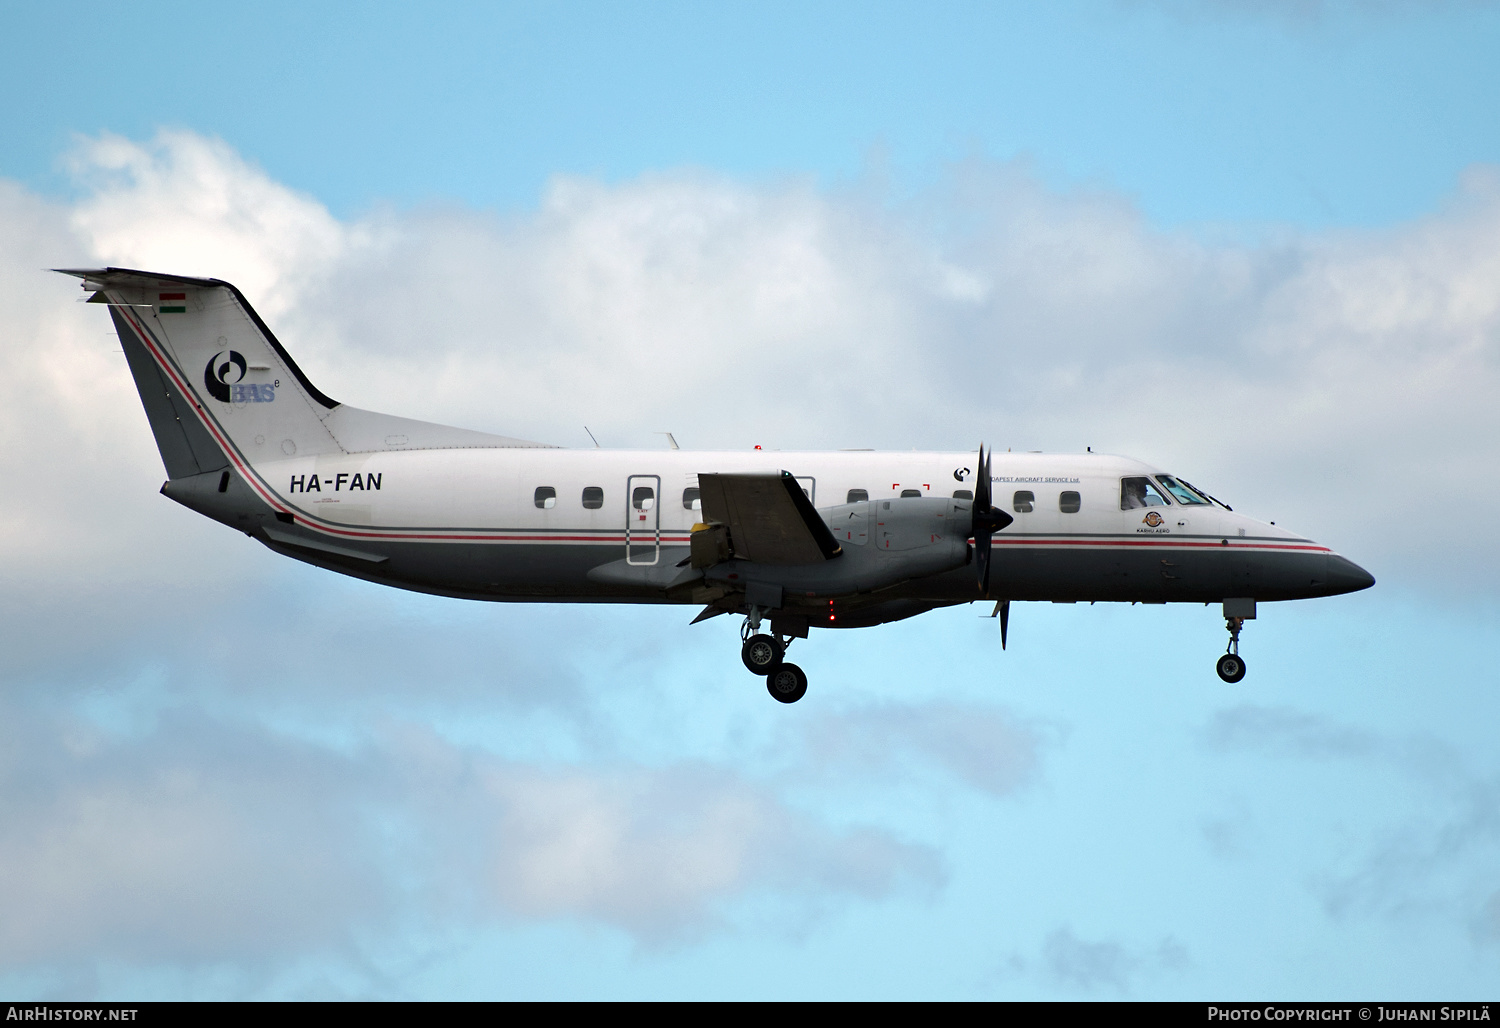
[213, 379]
[220, 390]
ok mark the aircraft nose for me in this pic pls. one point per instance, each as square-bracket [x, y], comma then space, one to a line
[1345, 576]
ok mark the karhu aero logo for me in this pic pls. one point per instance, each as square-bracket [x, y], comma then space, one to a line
[223, 376]
[1153, 519]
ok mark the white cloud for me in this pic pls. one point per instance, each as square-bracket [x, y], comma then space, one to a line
[1338, 382]
[192, 206]
[193, 844]
[981, 746]
[656, 852]
[198, 842]
[1076, 966]
[1427, 851]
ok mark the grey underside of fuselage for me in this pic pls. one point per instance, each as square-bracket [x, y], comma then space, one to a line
[560, 573]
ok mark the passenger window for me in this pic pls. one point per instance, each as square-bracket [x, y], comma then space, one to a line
[593, 497]
[857, 496]
[692, 499]
[963, 494]
[1181, 491]
[1068, 502]
[1139, 492]
[1023, 501]
[643, 497]
[546, 497]
[907, 493]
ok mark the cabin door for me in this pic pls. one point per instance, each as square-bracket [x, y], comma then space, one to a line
[643, 519]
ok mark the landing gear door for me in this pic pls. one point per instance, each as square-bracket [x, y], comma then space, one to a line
[643, 519]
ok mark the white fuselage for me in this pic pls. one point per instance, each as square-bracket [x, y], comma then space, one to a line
[517, 524]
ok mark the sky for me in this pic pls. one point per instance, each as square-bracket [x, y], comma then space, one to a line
[1255, 243]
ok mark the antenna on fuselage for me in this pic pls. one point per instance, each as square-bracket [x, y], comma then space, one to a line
[670, 440]
[591, 436]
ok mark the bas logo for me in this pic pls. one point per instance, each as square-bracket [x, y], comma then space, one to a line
[223, 376]
[1153, 519]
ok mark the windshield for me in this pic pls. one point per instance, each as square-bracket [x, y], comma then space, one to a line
[1181, 491]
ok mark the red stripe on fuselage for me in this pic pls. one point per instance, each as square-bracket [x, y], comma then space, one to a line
[1177, 544]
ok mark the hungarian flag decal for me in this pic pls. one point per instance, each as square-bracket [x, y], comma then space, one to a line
[171, 303]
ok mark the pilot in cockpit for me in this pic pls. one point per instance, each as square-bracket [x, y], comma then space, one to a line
[1139, 492]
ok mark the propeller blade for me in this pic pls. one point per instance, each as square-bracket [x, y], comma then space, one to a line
[987, 520]
[982, 486]
[982, 558]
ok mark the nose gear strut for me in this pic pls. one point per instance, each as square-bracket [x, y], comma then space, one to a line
[1231, 666]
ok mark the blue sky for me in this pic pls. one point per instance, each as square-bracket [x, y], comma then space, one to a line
[1297, 111]
[1257, 243]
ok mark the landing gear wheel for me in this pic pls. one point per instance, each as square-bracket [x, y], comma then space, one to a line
[761, 654]
[1231, 668]
[787, 683]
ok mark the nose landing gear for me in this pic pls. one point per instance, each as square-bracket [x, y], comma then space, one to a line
[762, 655]
[1237, 611]
[1231, 666]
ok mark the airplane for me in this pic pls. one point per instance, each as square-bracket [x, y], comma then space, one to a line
[791, 541]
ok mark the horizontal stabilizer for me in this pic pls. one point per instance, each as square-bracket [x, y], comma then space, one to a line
[128, 278]
[769, 517]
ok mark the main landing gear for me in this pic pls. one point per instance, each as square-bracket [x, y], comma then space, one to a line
[1231, 666]
[762, 655]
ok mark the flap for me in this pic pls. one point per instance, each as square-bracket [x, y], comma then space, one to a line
[769, 517]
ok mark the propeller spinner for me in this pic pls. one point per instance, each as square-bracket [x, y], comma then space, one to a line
[988, 519]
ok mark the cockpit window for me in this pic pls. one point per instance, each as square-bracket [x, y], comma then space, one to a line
[1181, 491]
[1139, 492]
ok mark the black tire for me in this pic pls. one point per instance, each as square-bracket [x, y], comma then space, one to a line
[761, 654]
[787, 684]
[1231, 667]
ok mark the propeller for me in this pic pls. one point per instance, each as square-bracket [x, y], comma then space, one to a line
[988, 519]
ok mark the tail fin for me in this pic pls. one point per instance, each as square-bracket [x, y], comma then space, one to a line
[219, 389]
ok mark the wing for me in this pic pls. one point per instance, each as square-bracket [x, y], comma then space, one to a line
[769, 518]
